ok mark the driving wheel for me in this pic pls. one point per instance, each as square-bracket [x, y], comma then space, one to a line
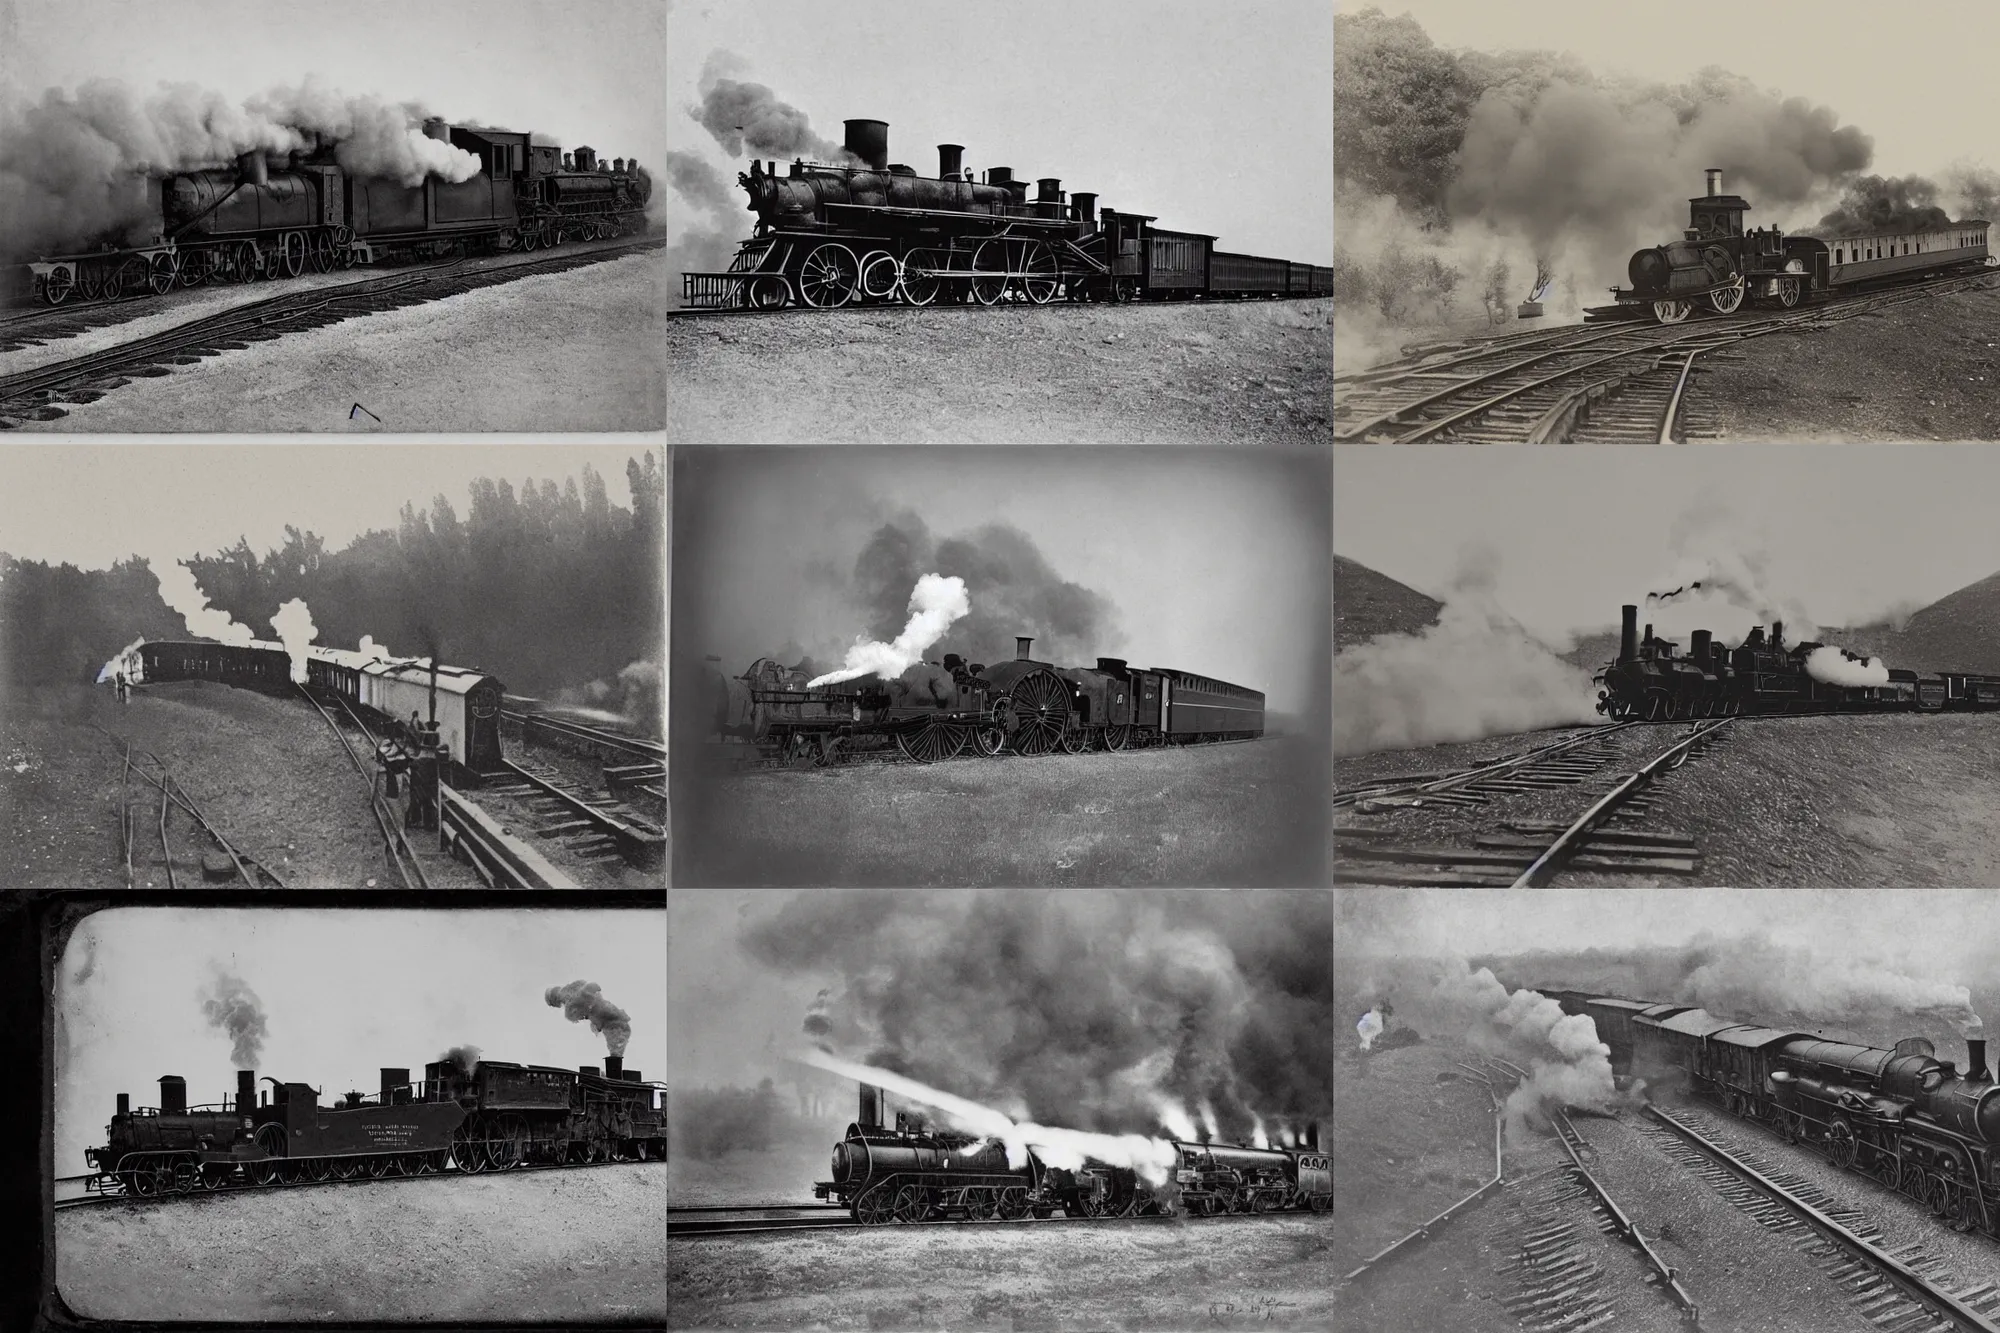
[1671, 312]
[1039, 709]
[933, 741]
[829, 277]
[875, 1207]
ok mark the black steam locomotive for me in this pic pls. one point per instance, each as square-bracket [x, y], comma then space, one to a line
[1718, 264]
[915, 1172]
[828, 235]
[252, 222]
[493, 1116]
[1653, 680]
[1902, 1115]
[1022, 707]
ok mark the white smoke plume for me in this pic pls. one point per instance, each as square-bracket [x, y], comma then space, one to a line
[1258, 1138]
[1752, 977]
[1719, 583]
[371, 649]
[1475, 673]
[1835, 666]
[179, 590]
[295, 629]
[370, 137]
[935, 603]
[127, 661]
[1369, 1028]
[1175, 1119]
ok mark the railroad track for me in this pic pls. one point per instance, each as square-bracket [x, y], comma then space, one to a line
[1559, 763]
[133, 822]
[1612, 1220]
[696, 1228]
[1625, 381]
[396, 847]
[940, 307]
[597, 736]
[1904, 1288]
[1528, 853]
[596, 828]
[34, 393]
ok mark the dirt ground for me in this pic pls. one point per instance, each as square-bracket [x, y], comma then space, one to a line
[266, 771]
[1216, 1273]
[1232, 373]
[1925, 370]
[580, 1246]
[1247, 813]
[571, 351]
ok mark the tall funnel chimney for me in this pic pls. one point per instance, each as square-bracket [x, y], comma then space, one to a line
[951, 159]
[124, 1103]
[246, 1091]
[1777, 636]
[870, 1114]
[1975, 1059]
[250, 169]
[437, 127]
[1021, 648]
[1649, 633]
[614, 1066]
[869, 141]
[1714, 181]
[1698, 646]
[395, 1091]
[173, 1094]
[1628, 634]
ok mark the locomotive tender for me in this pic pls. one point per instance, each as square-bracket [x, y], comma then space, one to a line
[1651, 679]
[1718, 264]
[914, 1172]
[1903, 1116]
[828, 235]
[494, 1117]
[1022, 707]
[248, 222]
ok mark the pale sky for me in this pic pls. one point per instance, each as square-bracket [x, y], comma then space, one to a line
[729, 1018]
[1919, 80]
[1215, 562]
[584, 71]
[1574, 531]
[346, 993]
[90, 504]
[1215, 116]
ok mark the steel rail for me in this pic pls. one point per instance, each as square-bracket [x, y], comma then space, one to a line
[752, 1226]
[397, 846]
[1670, 1281]
[1566, 843]
[1360, 794]
[386, 812]
[748, 1207]
[635, 843]
[1674, 403]
[563, 726]
[1912, 1281]
[180, 797]
[166, 851]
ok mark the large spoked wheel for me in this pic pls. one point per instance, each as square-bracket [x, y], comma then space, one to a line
[378, 1167]
[468, 1149]
[196, 266]
[1727, 300]
[920, 284]
[350, 1168]
[1013, 1202]
[56, 287]
[912, 1204]
[879, 275]
[1115, 737]
[294, 253]
[1841, 1143]
[143, 1181]
[829, 752]
[990, 257]
[322, 252]
[1788, 292]
[1037, 264]
[1097, 1205]
[987, 739]
[135, 275]
[797, 750]
[1039, 710]
[509, 1144]
[875, 1207]
[1671, 312]
[770, 293]
[931, 742]
[246, 261]
[271, 1138]
[164, 272]
[1075, 740]
[89, 282]
[981, 1205]
[829, 277]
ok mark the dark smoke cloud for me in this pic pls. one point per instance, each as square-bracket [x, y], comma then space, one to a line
[1884, 203]
[702, 227]
[750, 116]
[465, 1058]
[231, 1006]
[698, 182]
[583, 1001]
[1081, 1010]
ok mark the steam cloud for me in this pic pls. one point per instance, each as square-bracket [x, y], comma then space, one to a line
[1116, 1012]
[1837, 666]
[232, 1007]
[750, 116]
[699, 183]
[74, 166]
[294, 627]
[1475, 673]
[127, 661]
[1369, 1028]
[464, 1057]
[179, 591]
[935, 603]
[369, 648]
[1752, 976]
[631, 696]
[583, 1001]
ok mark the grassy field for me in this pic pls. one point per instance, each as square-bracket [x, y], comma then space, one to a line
[1253, 813]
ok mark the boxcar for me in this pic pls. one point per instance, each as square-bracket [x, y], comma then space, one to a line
[1177, 262]
[1245, 275]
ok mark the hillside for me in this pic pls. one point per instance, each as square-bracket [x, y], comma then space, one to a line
[1367, 603]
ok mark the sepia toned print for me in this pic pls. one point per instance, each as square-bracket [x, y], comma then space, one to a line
[1630, 235]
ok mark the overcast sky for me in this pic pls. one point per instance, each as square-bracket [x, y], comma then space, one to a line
[90, 504]
[586, 73]
[1214, 115]
[1213, 560]
[1570, 533]
[728, 1018]
[345, 994]
[1921, 88]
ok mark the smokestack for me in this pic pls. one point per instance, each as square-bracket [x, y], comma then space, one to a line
[1714, 181]
[246, 1091]
[614, 1066]
[618, 165]
[1698, 645]
[124, 1103]
[870, 1115]
[173, 1094]
[869, 141]
[1975, 1059]
[1628, 633]
[1021, 648]
[437, 128]
[1084, 204]
[951, 160]
[999, 175]
[1049, 189]
[1649, 633]
[394, 1091]
[1777, 636]
[250, 168]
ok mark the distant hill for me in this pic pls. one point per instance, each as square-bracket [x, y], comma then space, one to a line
[1367, 603]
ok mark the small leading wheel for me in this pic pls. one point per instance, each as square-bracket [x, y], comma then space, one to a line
[89, 282]
[56, 286]
[912, 1204]
[990, 257]
[294, 253]
[246, 261]
[879, 275]
[1788, 292]
[165, 272]
[987, 739]
[829, 277]
[196, 267]
[1115, 737]
[1036, 263]
[770, 292]
[1671, 312]
[920, 269]
[1075, 740]
[531, 237]
[1125, 290]
[322, 252]
[1726, 301]
[214, 1180]
[875, 1207]
[378, 1167]
[931, 742]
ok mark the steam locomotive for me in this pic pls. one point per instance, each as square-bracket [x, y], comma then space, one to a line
[1022, 707]
[828, 235]
[1652, 680]
[915, 1172]
[251, 222]
[1718, 264]
[491, 1116]
[1902, 1115]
